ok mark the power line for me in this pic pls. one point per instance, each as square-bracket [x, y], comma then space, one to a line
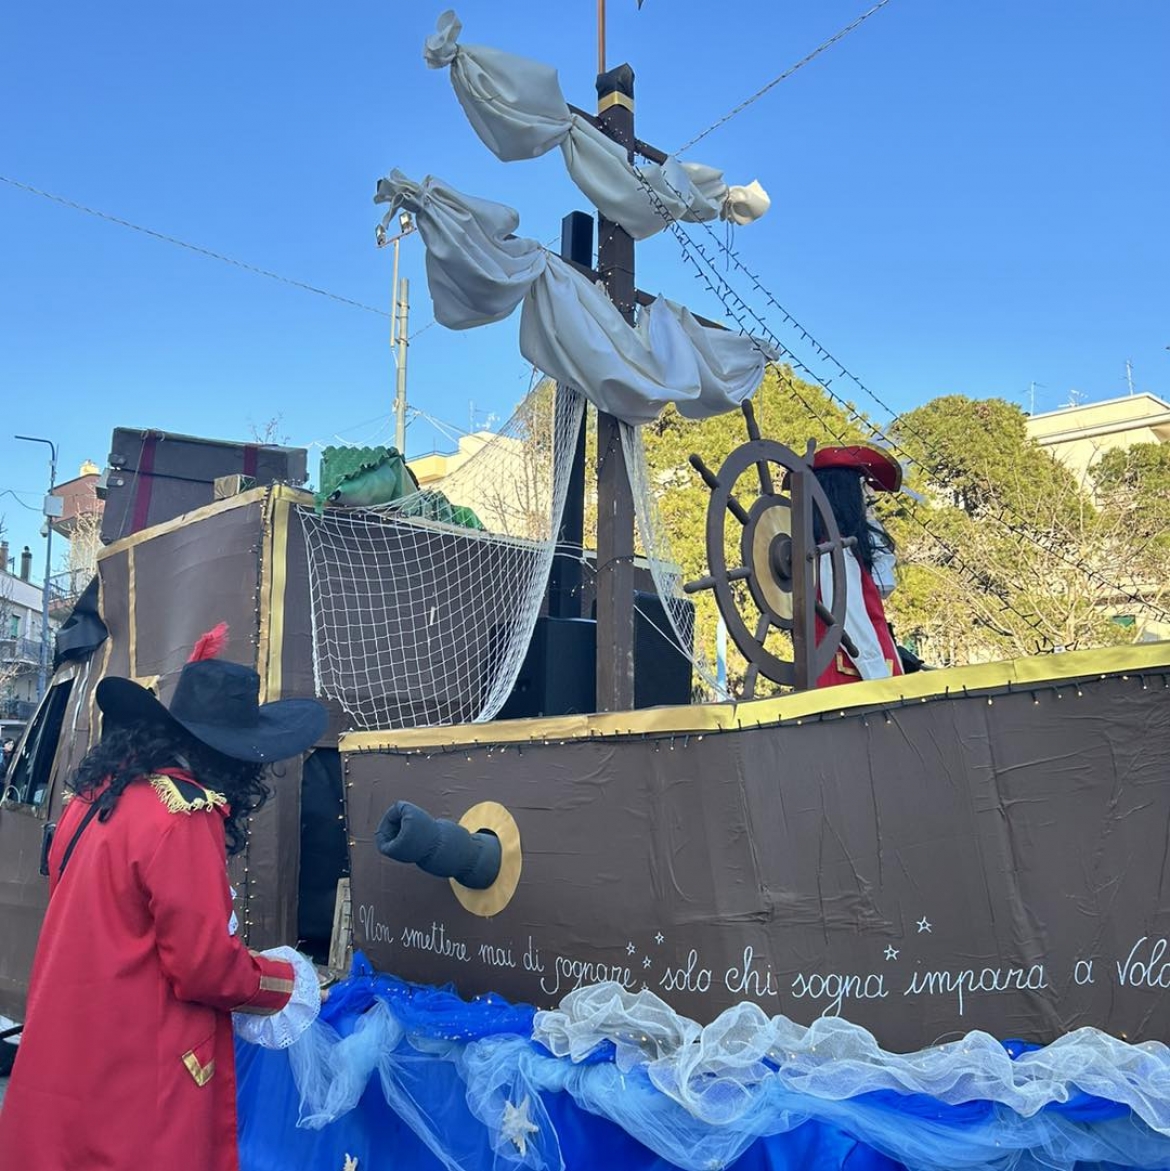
[197, 248]
[736, 308]
[1001, 514]
[786, 74]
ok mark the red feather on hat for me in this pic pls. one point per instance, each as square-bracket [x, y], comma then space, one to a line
[210, 644]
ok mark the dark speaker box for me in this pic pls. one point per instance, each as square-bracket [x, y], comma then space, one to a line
[662, 675]
[558, 677]
[154, 476]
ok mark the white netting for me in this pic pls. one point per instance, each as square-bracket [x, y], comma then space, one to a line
[419, 619]
[664, 567]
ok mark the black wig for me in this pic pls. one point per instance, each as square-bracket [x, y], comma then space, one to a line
[846, 492]
[129, 753]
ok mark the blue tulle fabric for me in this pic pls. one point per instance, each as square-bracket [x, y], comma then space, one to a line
[398, 1077]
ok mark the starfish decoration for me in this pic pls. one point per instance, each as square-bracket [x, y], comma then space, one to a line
[351, 1164]
[891, 952]
[517, 1126]
[923, 925]
[630, 949]
[659, 937]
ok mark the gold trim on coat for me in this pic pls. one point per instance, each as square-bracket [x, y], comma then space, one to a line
[201, 1073]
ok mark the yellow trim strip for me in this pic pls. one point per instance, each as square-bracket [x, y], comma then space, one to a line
[279, 492]
[132, 613]
[273, 575]
[700, 718]
[614, 99]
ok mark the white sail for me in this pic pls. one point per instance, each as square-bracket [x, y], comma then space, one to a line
[478, 272]
[517, 109]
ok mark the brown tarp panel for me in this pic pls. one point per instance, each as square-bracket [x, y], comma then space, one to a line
[191, 578]
[992, 862]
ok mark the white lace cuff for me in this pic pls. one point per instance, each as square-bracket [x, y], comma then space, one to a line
[282, 1028]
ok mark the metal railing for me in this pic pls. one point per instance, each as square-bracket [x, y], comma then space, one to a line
[65, 588]
[17, 709]
[20, 650]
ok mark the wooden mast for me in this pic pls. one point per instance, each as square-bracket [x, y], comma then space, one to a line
[615, 501]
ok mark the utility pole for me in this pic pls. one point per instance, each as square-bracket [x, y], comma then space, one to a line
[1129, 374]
[43, 670]
[615, 502]
[402, 310]
[399, 311]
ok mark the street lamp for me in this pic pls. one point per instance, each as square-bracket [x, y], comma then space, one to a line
[43, 673]
[400, 306]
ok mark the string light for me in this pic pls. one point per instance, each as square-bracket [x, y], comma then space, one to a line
[672, 738]
[736, 308]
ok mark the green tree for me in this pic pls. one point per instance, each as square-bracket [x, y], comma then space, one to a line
[1021, 556]
[1136, 481]
[787, 410]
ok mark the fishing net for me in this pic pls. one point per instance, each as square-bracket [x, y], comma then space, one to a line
[424, 606]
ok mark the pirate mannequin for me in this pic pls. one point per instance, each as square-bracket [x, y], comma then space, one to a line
[126, 1060]
[849, 476]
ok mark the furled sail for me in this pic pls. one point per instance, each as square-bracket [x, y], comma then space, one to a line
[478, 271]
[517, 109]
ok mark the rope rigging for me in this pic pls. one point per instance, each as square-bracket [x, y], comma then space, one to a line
[838, 36]
[737, 309]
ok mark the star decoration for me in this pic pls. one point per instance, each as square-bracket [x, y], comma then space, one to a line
[351, 1164]
[891, 952]
[517, 1126]
[923, 925]
[646, 961]
[630, 949]
[659, 938]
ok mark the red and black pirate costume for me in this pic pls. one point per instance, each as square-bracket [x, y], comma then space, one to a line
[126, 1060]
[846, 473]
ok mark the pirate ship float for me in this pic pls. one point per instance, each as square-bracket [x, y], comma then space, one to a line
[783, 931]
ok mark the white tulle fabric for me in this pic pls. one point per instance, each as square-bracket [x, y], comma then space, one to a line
[517, 109]
[281, 1029]
[714, 1071]
[478, 271]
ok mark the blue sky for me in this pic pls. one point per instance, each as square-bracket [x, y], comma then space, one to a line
[966, 197]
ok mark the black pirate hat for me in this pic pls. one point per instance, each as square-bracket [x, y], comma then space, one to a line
[218, 703]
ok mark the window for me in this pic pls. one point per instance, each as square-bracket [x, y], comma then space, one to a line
[14, 626]
[28, 778]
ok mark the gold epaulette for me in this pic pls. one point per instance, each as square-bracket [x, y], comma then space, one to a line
[181, 796]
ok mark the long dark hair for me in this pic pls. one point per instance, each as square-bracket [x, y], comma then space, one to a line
[127, 754]
[846, 496]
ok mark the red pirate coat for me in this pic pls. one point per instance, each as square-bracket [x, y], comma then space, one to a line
[126, 1059]
[865, 623]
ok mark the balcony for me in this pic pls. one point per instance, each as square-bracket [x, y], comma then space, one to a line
[17, 709]
[65, 589]
[20, 650]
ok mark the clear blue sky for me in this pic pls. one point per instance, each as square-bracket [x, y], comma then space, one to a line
[966, 197]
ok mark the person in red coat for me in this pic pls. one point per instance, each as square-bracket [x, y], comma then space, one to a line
[126, 1060]
[848, 475]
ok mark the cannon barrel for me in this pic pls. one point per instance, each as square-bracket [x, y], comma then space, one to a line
[445, 849]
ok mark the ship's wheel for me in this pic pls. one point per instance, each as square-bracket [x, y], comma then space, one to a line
[778, 554]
